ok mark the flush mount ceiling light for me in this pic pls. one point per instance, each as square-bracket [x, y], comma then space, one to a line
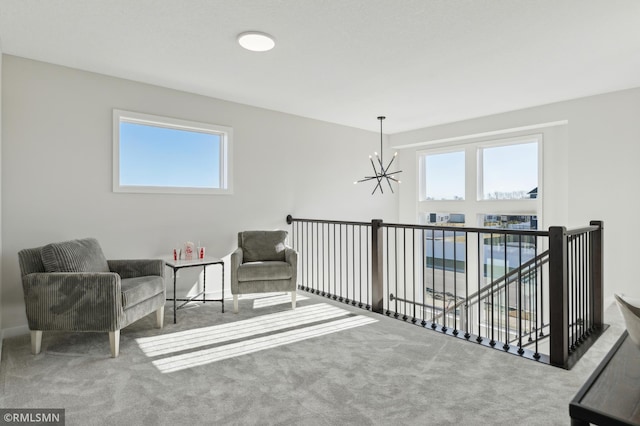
[383, 173]
[256, 41]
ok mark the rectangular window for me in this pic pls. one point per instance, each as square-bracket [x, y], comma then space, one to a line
[509, 172]
[155, 154]
[444, 176]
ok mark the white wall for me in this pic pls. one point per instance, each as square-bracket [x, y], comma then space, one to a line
[56, 171]
[590, 170]
[1, 332]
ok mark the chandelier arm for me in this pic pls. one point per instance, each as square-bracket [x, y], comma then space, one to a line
[375, 171]
[389, 165]
[367, 178]
[378, 185]
[386, 170]
[389, 182]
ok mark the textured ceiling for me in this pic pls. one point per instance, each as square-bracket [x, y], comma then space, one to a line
[419, 62]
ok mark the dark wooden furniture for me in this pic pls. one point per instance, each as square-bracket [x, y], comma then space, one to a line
[611, 396]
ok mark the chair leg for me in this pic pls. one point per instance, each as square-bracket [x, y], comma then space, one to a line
[160, 316]
[235, 303]
[293, 299]
[114, 342]
[36, 341]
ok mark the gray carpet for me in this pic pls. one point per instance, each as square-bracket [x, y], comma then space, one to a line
[330, 364]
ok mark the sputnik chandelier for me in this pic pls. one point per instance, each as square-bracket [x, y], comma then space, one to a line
[383, 173]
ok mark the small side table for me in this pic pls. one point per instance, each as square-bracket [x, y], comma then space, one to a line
[179, 264]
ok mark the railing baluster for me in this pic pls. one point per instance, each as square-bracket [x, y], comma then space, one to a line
[467, 315]
[480, 267]
[455, 282]
[353, 266]
[519, 291]
[444, 282]
[388, 243]
[396, 263]
[492, 342]
[360, 263]
[433, 279]
[404, 273]
[413, 275]
[507, 302]
[369, 283]
[423, 273]
[536, 353]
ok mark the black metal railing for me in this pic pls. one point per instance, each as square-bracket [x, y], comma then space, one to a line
[537, 294]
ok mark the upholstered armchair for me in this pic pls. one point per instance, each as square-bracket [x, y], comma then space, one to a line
[71, 286]
[262, 263]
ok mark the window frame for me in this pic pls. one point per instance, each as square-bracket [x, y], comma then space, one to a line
[422, 186]
[480, 147]
[225, 134]
[473, 206]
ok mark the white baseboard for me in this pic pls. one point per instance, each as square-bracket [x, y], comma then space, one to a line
[15, 331]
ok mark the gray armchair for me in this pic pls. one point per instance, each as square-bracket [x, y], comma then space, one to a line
[262, 263]
[70, 286]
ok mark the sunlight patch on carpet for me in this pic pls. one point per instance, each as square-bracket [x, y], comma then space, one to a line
[231, 350]
[280, 299]
[214, 335]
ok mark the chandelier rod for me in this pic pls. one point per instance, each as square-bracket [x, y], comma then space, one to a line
[381, 118]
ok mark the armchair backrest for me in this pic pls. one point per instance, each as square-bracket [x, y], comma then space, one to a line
[30, 261]
[262, 245]
[83, 255]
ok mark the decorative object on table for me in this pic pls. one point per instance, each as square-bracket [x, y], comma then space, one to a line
[383, 173]
[201, 252]
[107, 295]
[189, 249]
[630, 309]
[262, 263]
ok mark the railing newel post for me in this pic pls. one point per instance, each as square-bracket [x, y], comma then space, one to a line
[596, 275]
[558, 297]
[377, 270]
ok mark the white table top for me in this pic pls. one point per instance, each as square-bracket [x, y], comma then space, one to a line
[181, 263]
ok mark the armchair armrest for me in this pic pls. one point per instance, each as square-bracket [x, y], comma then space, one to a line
[236, 261]
[137, 267]
[75, 301]
[237, 257]
[291, 256]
